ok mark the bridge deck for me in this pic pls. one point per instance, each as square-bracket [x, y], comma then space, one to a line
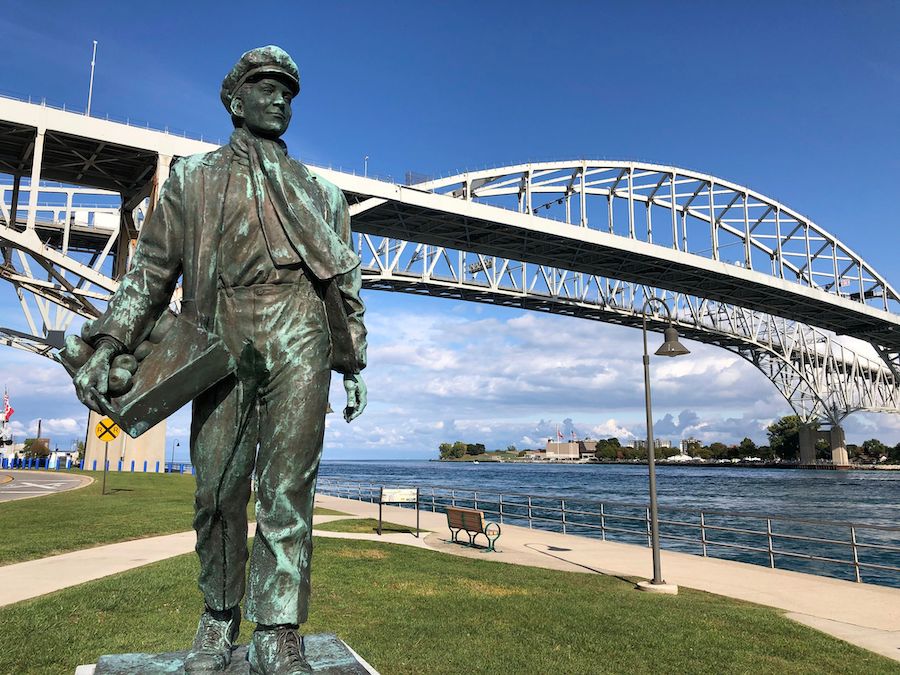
[439, 220]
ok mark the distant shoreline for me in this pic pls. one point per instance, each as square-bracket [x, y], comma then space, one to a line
[662, 462]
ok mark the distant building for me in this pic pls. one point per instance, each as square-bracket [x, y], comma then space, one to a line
[565, 450]
[658, 443]
[688, 444]
[62, 459]
[587, 448]
[536, 454]
[11, 452]
[682, 457]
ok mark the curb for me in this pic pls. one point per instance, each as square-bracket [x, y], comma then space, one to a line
[86, 480]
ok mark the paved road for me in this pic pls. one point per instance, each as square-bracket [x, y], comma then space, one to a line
[26, 484]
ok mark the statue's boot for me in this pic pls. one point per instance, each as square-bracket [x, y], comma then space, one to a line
[214, 642]
[276, 651]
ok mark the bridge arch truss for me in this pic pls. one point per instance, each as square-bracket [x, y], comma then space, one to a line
[584, 238]
[820, 377]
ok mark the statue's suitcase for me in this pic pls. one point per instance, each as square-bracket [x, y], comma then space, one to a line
[186, 362]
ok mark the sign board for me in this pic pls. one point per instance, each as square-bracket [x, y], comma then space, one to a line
[399, 495]
[107, 430]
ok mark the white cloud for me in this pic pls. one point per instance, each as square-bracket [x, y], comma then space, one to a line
[440, 371]
[609, 429]
[513, 376]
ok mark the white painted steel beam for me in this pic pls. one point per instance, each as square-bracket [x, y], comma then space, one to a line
[745, 272]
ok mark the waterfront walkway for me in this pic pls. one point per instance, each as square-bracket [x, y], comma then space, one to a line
[863, 614]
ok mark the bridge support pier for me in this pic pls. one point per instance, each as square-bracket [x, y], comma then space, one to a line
[808, 437]
[836, 443]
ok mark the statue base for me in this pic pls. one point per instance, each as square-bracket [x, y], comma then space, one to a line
[326, 653]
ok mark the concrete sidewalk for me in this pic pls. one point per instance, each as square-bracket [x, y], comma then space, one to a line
[862, 614]
[34, 578]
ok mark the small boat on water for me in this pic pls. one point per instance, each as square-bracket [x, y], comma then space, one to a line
[475, 462]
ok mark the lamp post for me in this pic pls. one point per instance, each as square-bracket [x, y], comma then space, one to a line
[670, 347]
[175, 444]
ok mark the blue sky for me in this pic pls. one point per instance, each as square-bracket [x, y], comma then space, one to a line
[797, 100]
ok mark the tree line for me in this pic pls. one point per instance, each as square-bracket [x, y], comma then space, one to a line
[459, 449]
[783, 436]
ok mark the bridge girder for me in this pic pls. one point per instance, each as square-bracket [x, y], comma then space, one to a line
[718, 240]
[726, 256]
[820, 377]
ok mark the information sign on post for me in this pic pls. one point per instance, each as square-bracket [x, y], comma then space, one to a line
[106, 430]
[399, 496]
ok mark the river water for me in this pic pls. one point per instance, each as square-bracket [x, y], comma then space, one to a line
[861, 497]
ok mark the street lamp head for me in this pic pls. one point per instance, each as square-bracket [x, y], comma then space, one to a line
[671, 346]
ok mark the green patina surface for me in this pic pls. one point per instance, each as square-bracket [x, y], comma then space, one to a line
[325, 653]
[270, 305]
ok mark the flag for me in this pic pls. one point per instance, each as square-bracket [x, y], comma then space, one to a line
[559, 435]
[7, 410]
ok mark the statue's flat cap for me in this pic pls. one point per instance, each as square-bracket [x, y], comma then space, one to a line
[269, 60]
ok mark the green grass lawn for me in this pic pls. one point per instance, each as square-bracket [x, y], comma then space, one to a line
[365, 526]
[412, 611]
[139, 505]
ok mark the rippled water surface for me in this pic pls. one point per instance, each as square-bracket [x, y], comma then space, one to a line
[865, 497]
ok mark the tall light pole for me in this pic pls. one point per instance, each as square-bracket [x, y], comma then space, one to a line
[366, 166]
[670, 347]
[91, 85]
[175, 444]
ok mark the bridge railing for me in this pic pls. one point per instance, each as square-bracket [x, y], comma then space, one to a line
[128, 121]
[853, 551]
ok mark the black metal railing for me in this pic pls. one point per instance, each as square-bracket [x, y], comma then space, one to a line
[857, 551]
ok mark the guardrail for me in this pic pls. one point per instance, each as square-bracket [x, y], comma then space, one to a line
[128, 121]
[857, 551]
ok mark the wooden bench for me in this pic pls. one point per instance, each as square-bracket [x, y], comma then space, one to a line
[472, 522]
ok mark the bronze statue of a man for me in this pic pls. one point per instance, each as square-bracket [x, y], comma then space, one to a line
[262, 246]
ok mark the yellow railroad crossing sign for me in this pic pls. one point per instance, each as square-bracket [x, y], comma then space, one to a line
[107, 430]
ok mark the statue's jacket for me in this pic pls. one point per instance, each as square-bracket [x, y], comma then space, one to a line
[180, 239]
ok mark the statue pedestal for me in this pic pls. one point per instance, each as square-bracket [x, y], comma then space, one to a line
[326, 653]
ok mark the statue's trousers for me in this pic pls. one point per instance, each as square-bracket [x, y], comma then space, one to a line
[277, 400]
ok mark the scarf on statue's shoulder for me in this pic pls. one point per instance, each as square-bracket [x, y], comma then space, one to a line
[294, 228]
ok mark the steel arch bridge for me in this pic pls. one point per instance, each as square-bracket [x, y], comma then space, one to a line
[584, 238]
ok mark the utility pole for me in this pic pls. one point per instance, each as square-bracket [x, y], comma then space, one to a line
[91, 85]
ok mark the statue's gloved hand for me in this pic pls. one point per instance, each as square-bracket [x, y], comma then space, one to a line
[357, 396]
[93, 377]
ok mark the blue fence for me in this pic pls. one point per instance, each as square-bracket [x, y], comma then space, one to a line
[46, 464]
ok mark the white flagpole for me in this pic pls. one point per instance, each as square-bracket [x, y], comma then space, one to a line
[91, 86]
